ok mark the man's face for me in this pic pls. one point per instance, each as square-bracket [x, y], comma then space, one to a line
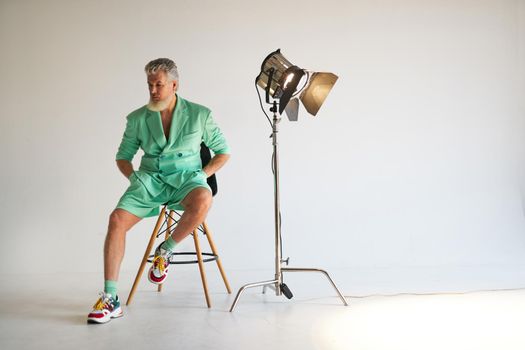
[160, 88]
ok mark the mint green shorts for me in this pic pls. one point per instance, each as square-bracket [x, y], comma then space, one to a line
[147, 192]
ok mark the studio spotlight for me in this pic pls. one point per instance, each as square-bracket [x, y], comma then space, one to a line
[285, 85]
[289, 84]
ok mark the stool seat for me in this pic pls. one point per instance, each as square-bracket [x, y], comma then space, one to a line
[167, 218]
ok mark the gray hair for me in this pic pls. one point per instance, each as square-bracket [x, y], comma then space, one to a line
[163, 64]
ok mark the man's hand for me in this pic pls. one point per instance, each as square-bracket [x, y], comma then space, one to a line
[125, 167]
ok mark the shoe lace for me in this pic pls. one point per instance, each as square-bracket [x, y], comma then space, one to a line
[159, 263]
[102, 302]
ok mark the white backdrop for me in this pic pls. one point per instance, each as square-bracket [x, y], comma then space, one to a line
[414, 161]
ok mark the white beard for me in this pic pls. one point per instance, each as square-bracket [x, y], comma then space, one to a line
[161, 105]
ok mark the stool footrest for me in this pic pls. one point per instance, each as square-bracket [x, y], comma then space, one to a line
[212, 257]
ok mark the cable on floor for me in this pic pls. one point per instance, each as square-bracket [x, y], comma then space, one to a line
[433, 293]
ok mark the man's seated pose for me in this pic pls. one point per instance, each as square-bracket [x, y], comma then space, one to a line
[169, 130]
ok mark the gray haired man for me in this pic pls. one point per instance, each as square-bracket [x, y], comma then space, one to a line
[169, 129]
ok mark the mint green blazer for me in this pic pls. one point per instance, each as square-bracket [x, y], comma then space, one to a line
[175, 160]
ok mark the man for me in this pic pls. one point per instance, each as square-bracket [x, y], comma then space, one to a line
[169, 129]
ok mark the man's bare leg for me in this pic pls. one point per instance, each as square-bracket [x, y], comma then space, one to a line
[120, 222]
[196, 205]
[108, 305]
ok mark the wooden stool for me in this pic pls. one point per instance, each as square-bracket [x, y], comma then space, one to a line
[167, 217]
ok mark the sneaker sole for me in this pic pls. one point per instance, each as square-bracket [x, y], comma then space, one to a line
[116, 314]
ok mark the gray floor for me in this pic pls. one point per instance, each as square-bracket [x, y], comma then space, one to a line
[36, 313]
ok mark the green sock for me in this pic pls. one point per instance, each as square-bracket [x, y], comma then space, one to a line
[110, 287]
[169, 244]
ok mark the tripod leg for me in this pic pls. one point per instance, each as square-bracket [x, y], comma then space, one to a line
[251, 285]
[291, 269]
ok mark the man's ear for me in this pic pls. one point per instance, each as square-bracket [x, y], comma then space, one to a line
[175, 85]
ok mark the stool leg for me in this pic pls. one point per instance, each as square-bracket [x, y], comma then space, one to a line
[168, 232]
[201, 266]
[214, 251]
[146, 254]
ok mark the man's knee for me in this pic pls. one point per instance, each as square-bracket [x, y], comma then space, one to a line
[120, 220]
[199, 200]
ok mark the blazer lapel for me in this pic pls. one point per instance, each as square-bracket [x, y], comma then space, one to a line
[155, 126]
[180, 117]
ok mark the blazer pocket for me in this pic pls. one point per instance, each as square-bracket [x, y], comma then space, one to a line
[192, 140]
[191, 134]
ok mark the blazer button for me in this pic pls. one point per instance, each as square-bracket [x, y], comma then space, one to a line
[180, 154]
[161, 156]
[160, 171]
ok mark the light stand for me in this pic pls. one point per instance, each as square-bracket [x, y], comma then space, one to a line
[276, 283]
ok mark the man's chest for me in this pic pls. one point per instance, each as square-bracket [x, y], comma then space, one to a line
[166, 126]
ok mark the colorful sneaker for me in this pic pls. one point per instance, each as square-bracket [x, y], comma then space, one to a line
[105, 309]
[161, 262]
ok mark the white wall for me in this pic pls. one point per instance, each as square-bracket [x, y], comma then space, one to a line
[413, 161]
